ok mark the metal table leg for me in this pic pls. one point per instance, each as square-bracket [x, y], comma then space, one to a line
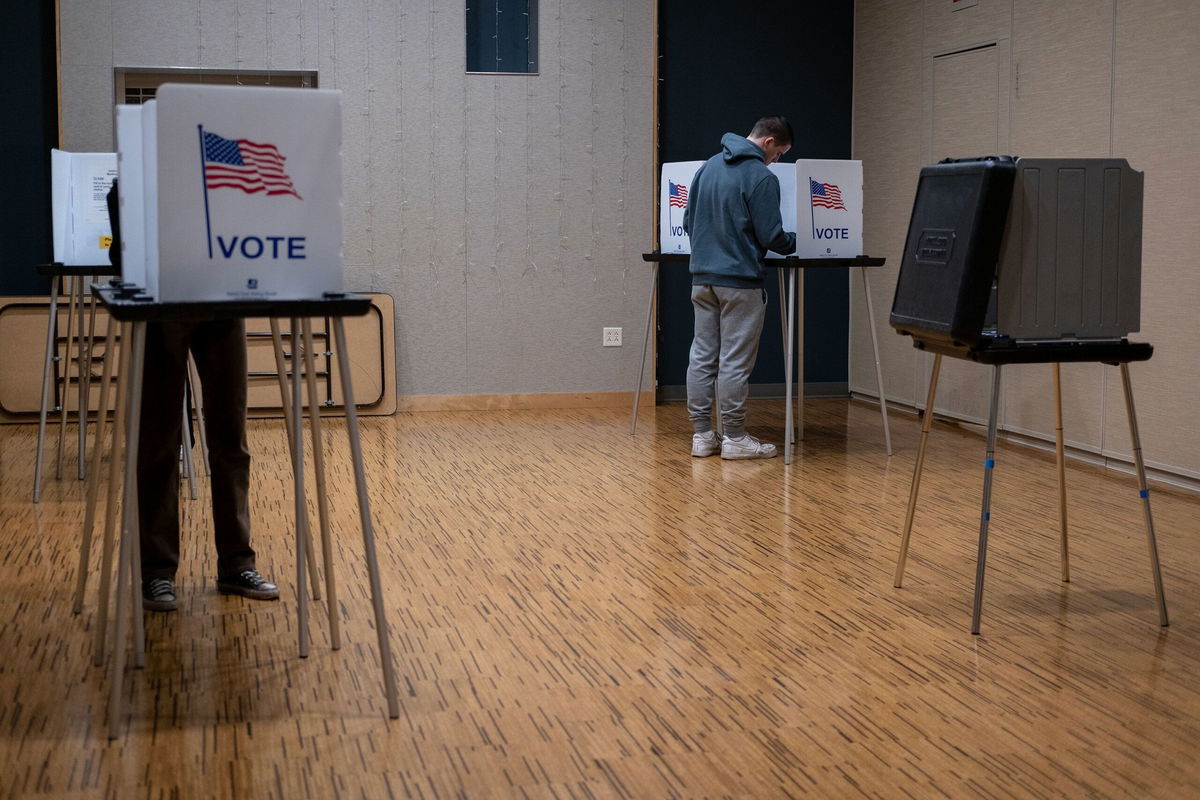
[887, 431]
[93, 475]
[302, 544]
[116, 460]
[789, 432]
[637, 394]
[129, 530]
[926, 424]
[364, 509]
[1061, 465]
[318, 450]
[286, 402]
[1144, 493]
[985, 514]
[51, 357]
[789, 419]
[73, 291]
[85, 373]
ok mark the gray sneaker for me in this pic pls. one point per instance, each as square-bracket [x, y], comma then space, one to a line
[158, 594]
[248, 583]
[705, 444]
[746, 447]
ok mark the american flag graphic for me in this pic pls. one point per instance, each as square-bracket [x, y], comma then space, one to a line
[246, 165]
[825, 195]
[678, 194]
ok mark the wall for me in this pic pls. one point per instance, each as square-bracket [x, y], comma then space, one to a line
[1072, 78]
[505, 214]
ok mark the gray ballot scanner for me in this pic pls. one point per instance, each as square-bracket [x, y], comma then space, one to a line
[1020, 254]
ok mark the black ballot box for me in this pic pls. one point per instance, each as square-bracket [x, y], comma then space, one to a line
[1002, 250]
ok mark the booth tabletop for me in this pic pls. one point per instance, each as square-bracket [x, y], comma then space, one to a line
[780, 263]
[1059, 352]
[129, 304]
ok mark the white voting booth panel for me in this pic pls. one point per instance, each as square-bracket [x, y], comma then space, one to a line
[672, 202]
[131, 208]
[827, 220]
[826, 206]
[79, 184]
[240, 190]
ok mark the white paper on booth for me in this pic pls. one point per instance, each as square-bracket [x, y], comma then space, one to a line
[131, 191]
[250, 186]
[786, 173]
[60, 182]
[150, 184]
[79, 211]
[672, 203]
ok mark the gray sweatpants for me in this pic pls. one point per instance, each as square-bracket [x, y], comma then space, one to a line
[729, 326]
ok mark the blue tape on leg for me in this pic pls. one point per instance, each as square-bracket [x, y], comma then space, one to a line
[988, 463]
[1144, 493]
[987, 515]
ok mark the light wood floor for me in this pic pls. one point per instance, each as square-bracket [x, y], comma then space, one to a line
[577, 613]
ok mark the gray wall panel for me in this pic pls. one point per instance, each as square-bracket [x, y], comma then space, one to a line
[87, 25]
[1084, 79]
[165, 33]
[504, 213]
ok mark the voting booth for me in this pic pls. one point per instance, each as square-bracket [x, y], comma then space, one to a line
[1003, 250]
[78, 190]
[232, 193]
[230, 207]
[1025, 261]
[820, 200]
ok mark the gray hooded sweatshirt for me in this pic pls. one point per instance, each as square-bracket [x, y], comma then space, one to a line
[733, 217]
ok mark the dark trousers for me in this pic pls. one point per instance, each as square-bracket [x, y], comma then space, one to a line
[219, 349]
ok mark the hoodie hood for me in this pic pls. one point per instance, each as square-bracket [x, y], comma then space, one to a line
[738, 148]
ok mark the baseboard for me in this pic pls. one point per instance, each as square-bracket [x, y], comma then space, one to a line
[517, 402]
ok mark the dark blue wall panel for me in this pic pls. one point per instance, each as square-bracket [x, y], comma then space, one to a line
[28, 96]
[722, 66]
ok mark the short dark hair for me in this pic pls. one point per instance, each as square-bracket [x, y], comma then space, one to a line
[776, 127]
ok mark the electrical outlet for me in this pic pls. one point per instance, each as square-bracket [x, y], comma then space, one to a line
[612, 337]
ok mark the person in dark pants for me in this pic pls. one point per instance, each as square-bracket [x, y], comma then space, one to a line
[733, 219]
[219, 349]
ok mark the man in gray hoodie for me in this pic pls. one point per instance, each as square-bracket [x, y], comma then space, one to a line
[733, 219]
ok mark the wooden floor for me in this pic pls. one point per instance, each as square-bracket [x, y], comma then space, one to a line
[577, 613]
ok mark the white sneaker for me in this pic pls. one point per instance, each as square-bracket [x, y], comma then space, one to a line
[746, 447]
[705, 444]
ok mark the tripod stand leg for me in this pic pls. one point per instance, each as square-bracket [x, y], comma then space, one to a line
[364, 510]
[1144, 493]
[926, 423]
[985, 513]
